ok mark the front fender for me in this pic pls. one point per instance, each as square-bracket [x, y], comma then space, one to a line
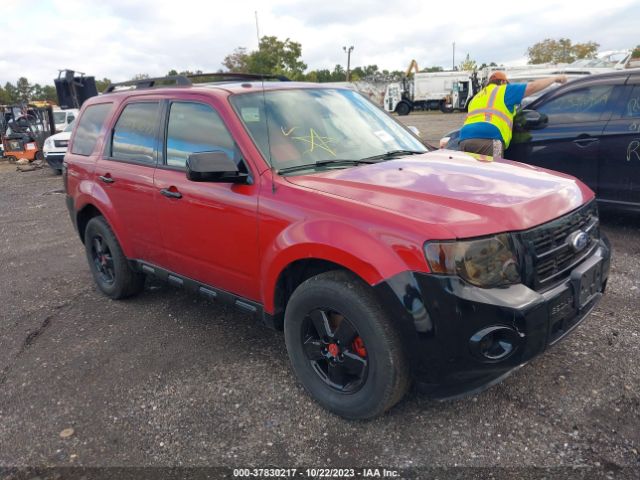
[370, 257]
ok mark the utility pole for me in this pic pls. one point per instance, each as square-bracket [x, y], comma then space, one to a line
[453, 65]
[348, 50]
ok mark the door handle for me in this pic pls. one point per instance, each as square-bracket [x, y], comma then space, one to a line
[106, 178]
[585, 142]
[170, 193]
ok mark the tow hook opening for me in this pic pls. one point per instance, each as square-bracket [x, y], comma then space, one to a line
[494, 344]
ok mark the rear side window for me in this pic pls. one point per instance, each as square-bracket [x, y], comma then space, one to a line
[89, 127]
[134, 136]
[195, 128]
[582, 105]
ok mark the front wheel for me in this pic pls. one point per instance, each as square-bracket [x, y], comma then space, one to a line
[343, 348]
[403, 108]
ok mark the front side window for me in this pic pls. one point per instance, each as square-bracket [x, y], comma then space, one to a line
[303, 126]
[134, 135]
[195, 128]
[581, 105]
[89, 127]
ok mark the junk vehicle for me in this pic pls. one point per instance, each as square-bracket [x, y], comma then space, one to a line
[63, 118]
[447, 91]
[23, 129]
[55, 148]
[588, 128]
[384, 260]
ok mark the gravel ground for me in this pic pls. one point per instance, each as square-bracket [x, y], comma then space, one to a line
[170, 379]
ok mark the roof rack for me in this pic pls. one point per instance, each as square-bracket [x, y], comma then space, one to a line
[179, 80]
[226, 76]
[185, 80]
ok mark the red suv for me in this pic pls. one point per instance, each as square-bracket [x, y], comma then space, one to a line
[384, 261]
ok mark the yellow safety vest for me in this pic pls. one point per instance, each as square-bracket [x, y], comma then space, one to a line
[488, 106]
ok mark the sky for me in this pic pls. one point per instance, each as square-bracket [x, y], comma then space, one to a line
[118, 39]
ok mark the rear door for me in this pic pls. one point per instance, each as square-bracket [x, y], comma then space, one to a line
[620, 154]
[125, 175]
[209, 230]
[570, 142]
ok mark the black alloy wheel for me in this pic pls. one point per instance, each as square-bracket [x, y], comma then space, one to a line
[111, 270]
[103, 260]
[344, 348]
[335, 350]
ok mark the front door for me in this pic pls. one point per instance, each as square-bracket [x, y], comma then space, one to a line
[570, 142]
[209, 230]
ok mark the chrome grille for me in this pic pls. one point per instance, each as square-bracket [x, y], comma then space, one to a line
[548, 246]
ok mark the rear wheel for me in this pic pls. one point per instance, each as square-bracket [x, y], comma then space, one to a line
[343, 348]
[110, 268]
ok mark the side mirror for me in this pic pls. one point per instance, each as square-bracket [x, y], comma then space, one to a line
[532, 120]
[214, 167]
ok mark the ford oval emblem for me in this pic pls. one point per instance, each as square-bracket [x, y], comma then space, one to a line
[578, 240]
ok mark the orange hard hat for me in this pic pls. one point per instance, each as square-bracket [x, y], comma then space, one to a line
[499, 75]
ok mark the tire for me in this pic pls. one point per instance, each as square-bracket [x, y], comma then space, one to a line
[403, 108]
[366, 386]
[39, 155]
[110, 268]
[57, 171]
[445, 109]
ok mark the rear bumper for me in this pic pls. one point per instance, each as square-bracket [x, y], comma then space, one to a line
[461, 339]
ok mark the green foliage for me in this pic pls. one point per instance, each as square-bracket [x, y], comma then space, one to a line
[636, 52]
[24, 89]
[468, 65]
[10, 94]
[561, 51]
[237, 61]
[277, 57]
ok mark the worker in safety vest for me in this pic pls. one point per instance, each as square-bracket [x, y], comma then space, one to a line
[487, 128]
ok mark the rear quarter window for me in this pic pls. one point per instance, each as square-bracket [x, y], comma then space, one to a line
[89, 127]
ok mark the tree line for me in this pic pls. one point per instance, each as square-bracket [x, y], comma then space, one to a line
[284, 57]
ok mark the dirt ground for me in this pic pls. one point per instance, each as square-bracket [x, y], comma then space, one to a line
[169, 379]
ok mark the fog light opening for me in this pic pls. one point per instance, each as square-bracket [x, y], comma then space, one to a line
[494, 343]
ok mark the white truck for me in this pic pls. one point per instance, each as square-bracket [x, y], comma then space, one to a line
[447, 91]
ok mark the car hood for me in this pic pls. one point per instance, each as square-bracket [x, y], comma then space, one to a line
[61, 136]
[463, 193]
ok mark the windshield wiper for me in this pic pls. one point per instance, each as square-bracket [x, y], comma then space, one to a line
[322, 163]
[393, 154]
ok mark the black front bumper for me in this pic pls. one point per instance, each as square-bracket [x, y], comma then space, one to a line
[443, 320]
[55, 160]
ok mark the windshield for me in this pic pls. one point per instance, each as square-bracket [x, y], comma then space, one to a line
[69, 127]
[59, 117]
[305, 126]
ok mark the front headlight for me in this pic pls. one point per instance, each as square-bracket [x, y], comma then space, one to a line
[48, 144]
[486, 262]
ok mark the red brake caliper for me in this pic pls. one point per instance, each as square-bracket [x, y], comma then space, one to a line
[358, 347]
